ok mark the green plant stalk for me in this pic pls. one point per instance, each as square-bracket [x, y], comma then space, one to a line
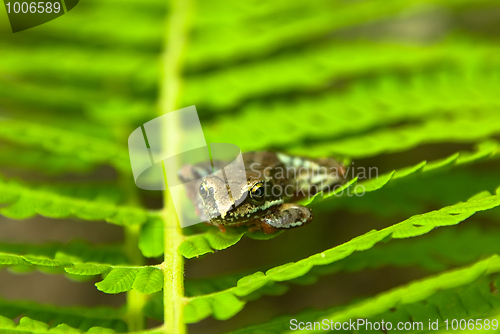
[135, 300]
[173, 265]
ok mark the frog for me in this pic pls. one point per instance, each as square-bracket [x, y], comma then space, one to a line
[265, 198]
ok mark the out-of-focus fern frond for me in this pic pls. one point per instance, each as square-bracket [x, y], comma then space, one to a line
[488, 149]
[119, 278]
[133, 71]
[63, 142]
[77, 317]
[319, 68]
[45, 162]
[245, 30]
[412, 195]
[91, 26]
[75, 251]
[23, 202]
[459, 293]
[470, 285]
[468, 128]
[29, 326]
[362, 106]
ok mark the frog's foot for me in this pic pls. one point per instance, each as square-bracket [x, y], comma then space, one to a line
[261, 226]
[288, 215]
[221, 228]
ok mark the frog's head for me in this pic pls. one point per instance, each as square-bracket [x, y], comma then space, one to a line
[236, 201]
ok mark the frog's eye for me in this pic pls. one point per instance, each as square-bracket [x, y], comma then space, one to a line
[203, 190]
[258, 191]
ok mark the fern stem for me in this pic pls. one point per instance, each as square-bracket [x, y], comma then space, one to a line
[135, 301]
[173, 265]
[134, 317]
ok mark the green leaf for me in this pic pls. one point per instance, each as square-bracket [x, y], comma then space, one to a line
[115, 282]
[87, 269]
[64, 142]
[197, 310]
[41, 161]
[24, 202]
[77, 317]
[436, 251]
[118, 280]
[213, 239]
[485, 149]
[478, 125]
[148, 280]
[288, 72]
[195, 246]
[151, 237]
[316, 21]
[382, 103]
[222, 306]
[10, 259]
[199, 244]
[436, 291]
[464, 293]
[30, 326]
[74, 251]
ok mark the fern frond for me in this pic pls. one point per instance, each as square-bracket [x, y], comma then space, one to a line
[8, 259]
[464, 129]
[228, 88]
[106, 107]
[143, 279]
[207, 242]
[471, 286]
[120, 278]
[29, 326]
[199, 244]
[65, 143]
[56, 98]
[414, 226]
[151, 241]
[24, 202]
[300, 22]
[487, 149]
[78, 67]
[365, 105]
[75, 251]
[88, 24]
[415, 193]
[31, 159]
[437, 251]
[77, 317]
[459, 294]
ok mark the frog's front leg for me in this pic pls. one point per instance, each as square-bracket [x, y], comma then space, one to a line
[288, 215]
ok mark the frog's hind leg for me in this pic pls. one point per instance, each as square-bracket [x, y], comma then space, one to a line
[288, 215]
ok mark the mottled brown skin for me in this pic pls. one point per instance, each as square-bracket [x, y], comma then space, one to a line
[254, 200]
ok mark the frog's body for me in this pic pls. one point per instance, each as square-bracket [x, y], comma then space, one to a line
[263, 198]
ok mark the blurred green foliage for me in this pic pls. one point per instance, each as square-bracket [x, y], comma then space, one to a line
[407, 86]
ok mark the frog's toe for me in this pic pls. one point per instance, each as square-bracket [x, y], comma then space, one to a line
[289, 215]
